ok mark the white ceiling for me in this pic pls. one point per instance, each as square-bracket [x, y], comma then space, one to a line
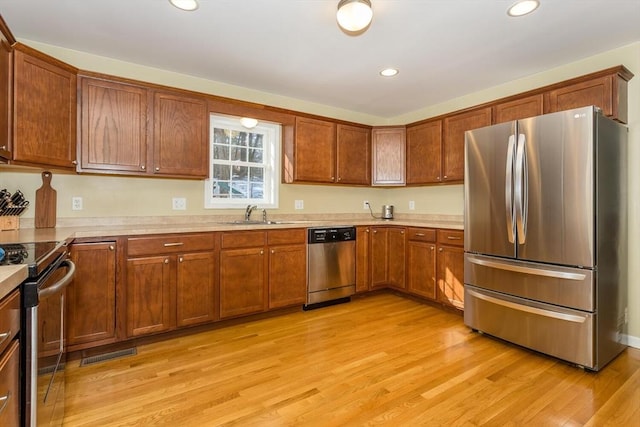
[443, 48]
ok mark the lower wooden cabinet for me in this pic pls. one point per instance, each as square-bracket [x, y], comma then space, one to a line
[242, 281]
[171, 289]
[10, 385]
[287, 275]
[421, 262]
[363, 242]
[450, 269]
[388, 257]
[91, 296]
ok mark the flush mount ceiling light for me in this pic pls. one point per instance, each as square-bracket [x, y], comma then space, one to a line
[389, 72]
[188, 5]
[248, 122]
[354, 15]
[523, 7]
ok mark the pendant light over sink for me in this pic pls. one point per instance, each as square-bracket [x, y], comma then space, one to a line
[354, 15]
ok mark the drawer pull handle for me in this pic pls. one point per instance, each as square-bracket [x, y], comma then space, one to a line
[420, 234]
[166, 245]
[454, 238]
[5, 401]
[4, 336]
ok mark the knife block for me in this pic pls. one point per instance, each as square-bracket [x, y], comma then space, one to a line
[11, 222]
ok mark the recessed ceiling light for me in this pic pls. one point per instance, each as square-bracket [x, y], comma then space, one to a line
[523, 7]
[185, 4]
[389, 72]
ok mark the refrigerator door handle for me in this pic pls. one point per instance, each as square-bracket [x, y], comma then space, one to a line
[521, 189]
[528, 309]
[508, 196]
[527, 270]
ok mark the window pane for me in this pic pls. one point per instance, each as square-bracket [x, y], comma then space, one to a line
[256, 140]
[240, 173]
[239, 190]
[255, 155]
[221, 189]
[257, 175]
[238, 154]
[257, 190]
[221, 172]
[220, 136]
[221, 152]
[239, 138]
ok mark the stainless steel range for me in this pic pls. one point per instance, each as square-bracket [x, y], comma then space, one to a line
[42, 328]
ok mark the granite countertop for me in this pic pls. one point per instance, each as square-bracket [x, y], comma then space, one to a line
[11, 276]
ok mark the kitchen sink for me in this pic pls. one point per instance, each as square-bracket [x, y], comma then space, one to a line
[242, 222]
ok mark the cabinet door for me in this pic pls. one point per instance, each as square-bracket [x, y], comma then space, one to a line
[242, 282]
[91, 296]
[453, 144]
[195, 289]
[287, 275]
[314, 150]
[388, 152]
[424, 153]
[517, 109]
[113, 126]
[10, 385]
[44, 113]
[180, 130]
[451, 275]
[150, 295]
[49, 324]
[6, 98]
[396, 258]
[596, 92]
[362, 258]
[379, 251]
[353, 155]
[421, 269]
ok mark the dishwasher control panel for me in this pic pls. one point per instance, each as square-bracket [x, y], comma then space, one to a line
[331, 234]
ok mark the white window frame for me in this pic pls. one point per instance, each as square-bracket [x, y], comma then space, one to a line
[272, 135]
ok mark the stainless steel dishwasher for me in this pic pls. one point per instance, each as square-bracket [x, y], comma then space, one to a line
[331, 266]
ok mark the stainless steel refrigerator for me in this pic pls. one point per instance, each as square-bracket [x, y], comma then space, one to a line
[545, 234]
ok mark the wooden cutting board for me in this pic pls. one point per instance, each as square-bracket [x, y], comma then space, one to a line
[46, 200]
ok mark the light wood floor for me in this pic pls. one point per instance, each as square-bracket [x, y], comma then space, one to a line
[378, 360]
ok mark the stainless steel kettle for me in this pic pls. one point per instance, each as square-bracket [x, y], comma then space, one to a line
[387, 211]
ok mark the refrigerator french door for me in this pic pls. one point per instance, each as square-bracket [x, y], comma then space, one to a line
[545, 234]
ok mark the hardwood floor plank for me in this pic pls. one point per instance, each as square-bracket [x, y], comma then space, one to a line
[378, 360]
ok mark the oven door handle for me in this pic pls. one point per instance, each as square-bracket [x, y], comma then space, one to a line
[60, 284]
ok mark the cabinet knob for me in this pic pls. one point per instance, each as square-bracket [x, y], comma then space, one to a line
[261, 252]
[333, 178]
[180, 259]
[445, 177]
[112, 248]
[273, 251]
[4, 147]
[439, 249]
[74, 162]
[166, 260]
[438, 178]
[339, 179]
[402, 232]
[375, 231]
[157, 169]
[431, 248]
[143, 167]
[367, 230]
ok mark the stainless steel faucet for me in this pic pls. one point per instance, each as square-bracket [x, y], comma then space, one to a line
[247, 213]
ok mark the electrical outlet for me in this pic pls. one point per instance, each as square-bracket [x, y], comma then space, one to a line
[412, 205]
[299, 204]
[179, 204]
[365, 204]
[76, 203]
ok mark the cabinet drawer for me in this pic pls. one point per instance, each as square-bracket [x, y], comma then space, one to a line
[422, 234]
[170, 243]
[9, 387]
[285, 237]
[9, 319]
[451, 237]
[243, 239]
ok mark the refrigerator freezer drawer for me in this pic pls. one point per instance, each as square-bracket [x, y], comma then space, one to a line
[562, 333]
[563, 286]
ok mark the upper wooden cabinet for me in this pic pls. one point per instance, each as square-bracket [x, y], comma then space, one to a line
[6, 95]
[113, 126]
[389, 156]
[326, 152]
[353, 155]
[180, 130]
[44, 110]
[424, 153]
[132, 129]
[314, 150]
[520, 108]
[453, 144]
[607, 90]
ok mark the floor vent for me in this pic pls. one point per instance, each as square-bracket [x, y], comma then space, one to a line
[108, 356]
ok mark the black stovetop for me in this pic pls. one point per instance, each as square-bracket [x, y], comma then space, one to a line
[37, 255]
